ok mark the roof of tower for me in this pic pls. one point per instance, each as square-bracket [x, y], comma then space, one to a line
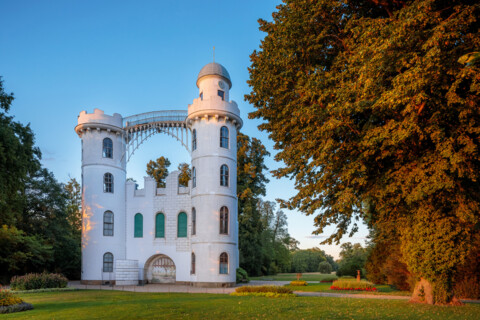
[217, 69]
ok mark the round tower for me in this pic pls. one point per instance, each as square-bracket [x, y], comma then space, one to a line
[103, 194]
[214, 121]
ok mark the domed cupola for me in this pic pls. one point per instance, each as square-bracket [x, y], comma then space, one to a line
[215, 69]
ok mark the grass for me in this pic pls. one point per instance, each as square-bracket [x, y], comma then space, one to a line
[325, 287]
[97, 304]
[313, 276]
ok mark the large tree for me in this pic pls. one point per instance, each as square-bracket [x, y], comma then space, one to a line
[251, 182]
[18, 158]
[375, 117]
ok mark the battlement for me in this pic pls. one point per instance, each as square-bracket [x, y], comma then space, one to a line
[98, 117]
[172, 187]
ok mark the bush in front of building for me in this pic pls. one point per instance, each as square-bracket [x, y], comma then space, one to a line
[33, 281]
[242, 276]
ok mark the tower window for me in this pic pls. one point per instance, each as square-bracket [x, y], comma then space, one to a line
[224, 220]
[224, 263]
[194, 139]
[138, 226]
[160, 225]
[221, 94]
[194, 221]
[224, 175]
[108, 224]
[224, 137]
[107, 148]
[192, 268]
[201, 95]
[194, 177]
[108, 262]
[182, 225]
[108, 182]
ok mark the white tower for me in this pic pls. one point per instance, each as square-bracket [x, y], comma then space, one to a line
[103, 194]
[214, 121]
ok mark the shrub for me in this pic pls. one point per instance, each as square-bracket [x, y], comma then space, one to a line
[467, 288]
[263, 294]
[298, 283]
[325, 267]
[264, 289]
[34, 281]
[242, 275]
[8, 298]
[347, 284]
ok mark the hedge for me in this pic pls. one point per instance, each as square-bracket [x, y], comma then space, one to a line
[33, 281]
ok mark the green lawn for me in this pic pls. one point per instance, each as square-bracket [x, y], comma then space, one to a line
[313, 276]
[93, 304]
[325, 287]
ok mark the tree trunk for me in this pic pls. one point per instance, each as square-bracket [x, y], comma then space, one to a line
[424, 292]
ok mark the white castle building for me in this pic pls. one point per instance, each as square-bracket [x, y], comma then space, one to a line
[177, 234]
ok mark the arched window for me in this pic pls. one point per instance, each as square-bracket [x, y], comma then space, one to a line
[108, 182]
[108, 223]
[224, 220]
[107, 148]
[194, 177]
[224, 137]
[108, 262]
[182, 225]
[192, 268]
[194, 221]
[138, 225]
[224, 263]
[194, 139]
[224, 175]
[160, 225]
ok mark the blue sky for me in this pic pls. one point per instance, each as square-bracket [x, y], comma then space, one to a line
[129, 57]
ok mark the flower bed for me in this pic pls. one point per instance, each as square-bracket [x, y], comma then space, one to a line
[263, 291]
[298, 283]
[353, 289]
[353, 285]
[9, 302]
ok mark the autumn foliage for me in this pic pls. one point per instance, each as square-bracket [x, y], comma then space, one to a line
[375, 115]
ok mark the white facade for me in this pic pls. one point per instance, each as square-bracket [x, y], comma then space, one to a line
[152, 236]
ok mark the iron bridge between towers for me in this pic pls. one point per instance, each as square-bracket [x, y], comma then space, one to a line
[138, 128]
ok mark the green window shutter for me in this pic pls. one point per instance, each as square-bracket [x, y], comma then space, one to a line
[160, 225]
[138, 226]
[182, 225]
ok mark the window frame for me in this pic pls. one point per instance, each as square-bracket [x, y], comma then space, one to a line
[135, 224]
[221, 94]
[224, 176]
[194, 177]
[106, 230]
[224, 220]
[224, 140]
[194, 139]
[224, 263]
[192, 263]
[194, 221]
[160, 226]
[108, 183]
[178, 225]
[107, 151]
[109, 264]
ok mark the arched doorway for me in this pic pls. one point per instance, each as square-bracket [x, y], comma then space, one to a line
[160, 269]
